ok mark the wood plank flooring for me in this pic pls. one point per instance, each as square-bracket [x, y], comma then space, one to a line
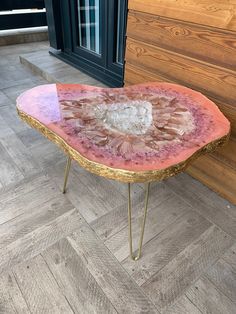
[69, 253]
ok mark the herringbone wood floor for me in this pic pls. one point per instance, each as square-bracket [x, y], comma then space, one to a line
[69, 253]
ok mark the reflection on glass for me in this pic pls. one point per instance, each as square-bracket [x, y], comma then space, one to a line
[88, 24]
[119, 36]
[119, 23]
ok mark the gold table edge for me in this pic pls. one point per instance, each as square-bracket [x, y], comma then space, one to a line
[118, 174]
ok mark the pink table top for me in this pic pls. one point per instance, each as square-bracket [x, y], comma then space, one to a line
[146, 127]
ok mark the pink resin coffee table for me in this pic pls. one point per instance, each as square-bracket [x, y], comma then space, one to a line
[141, 133]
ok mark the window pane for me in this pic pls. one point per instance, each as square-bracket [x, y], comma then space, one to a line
[89, 24]
[119, 13]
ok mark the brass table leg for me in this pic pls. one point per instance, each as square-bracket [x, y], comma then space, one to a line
[67, 169]
[135, 258]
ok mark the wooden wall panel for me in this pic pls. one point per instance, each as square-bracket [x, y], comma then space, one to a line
[218, 82]
[232, 24]
[192, 43]
[135, 75]
[215, 13]
[212, 172]
[227, 154]
[197, 41]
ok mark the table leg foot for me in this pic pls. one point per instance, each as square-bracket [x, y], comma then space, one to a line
[132, 256]
[67, 169]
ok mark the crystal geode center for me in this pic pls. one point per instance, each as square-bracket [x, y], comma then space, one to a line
[133, 117]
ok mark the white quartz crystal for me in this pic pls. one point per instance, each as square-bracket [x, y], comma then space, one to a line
[133, 117]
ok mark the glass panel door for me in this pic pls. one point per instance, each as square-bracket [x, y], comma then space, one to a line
[119, 33]
[89, 25]
[116, 37]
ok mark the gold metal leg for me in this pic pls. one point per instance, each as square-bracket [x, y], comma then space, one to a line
[135, 258]
[67, 169]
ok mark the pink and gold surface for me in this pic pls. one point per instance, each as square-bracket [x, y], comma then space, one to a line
[141, 133]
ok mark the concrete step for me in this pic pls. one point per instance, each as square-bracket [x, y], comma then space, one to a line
[55, 70]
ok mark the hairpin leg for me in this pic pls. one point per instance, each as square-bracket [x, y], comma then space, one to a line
[135, 258]
[67, 169]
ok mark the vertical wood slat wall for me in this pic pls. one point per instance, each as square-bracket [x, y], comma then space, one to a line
[192, 43]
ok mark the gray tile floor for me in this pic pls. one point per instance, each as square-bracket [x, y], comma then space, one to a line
[69, 253]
